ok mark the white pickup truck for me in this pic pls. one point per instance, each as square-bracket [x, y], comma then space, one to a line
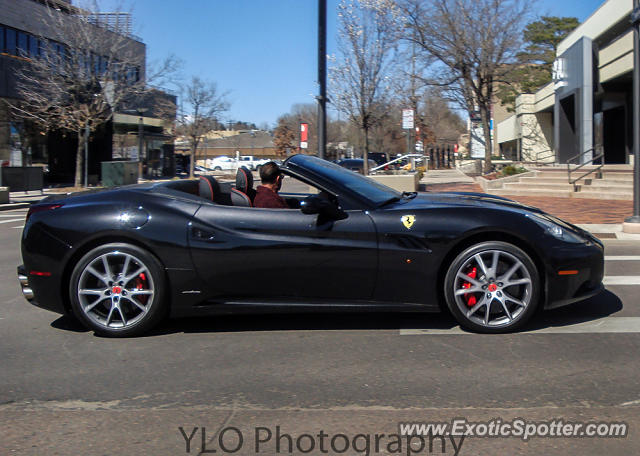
[251, 162]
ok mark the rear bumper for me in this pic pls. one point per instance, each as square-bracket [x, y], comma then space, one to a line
[27, 292]
[44, 298]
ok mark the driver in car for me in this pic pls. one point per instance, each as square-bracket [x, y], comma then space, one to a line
[267, 193]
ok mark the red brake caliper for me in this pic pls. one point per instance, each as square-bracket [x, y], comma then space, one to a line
[470, 298]
[141, 281]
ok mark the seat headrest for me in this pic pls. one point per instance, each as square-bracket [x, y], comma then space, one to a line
[208, 187]
[244, 179]
[239, 198]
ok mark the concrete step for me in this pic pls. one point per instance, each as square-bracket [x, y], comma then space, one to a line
[561, 186]
[544, 180]
[606, 191]
[563, 194]
[604, 184]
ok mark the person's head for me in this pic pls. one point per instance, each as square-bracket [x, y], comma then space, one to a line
[271, 176]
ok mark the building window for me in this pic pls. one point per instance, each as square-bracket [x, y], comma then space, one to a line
[23, 44]
[1, 38]
[34, 48]
[10, 44]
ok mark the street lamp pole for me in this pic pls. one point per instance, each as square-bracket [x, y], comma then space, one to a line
[632, 224]
[141, 112]
[86, 155]
[322, 78]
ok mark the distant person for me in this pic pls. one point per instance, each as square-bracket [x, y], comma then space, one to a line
[267, 193]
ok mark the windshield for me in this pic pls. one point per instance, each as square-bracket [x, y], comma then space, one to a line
[367, 188]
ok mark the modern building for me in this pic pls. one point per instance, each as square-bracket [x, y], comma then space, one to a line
[24, 33]
[586, 110]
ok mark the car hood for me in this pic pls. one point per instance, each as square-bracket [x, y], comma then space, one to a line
[423, 200]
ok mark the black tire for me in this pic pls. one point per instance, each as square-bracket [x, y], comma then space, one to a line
[217, 168]
[508, 310]
[149, 292]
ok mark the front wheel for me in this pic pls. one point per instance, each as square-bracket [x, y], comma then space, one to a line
[117, 290]
[492, 287]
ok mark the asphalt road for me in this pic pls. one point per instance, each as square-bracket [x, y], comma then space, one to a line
[65, 391]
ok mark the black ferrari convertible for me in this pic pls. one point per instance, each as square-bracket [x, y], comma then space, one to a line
[122, 259]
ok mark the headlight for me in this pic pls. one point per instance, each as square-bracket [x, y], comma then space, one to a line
[555, 230]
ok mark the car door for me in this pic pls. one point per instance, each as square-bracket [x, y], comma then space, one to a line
[282, 253]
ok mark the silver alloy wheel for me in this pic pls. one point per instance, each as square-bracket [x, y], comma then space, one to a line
[115, 290]
[492, 288]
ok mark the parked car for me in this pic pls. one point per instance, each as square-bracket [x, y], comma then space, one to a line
[222, 163]
[251, 162]
[379, 157]
[121, 259]
[356, 164]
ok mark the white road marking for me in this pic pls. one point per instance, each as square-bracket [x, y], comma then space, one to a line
[10, 215]
[621, 280]
[622, 258]
[18, 227]
[12, 220]
[601, 325]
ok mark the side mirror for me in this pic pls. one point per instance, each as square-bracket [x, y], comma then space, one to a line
[326, 209]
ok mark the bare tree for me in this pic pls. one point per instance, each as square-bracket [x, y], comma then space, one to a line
[79, 74]
[204, 105]
[284, 138]
[441, 123]
[368, 32]
[473, 43]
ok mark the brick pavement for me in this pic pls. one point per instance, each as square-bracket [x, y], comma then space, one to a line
[574, 210]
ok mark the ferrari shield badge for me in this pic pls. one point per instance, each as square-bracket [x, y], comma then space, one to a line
[408, 221]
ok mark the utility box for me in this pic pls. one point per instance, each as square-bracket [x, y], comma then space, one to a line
[116, 173]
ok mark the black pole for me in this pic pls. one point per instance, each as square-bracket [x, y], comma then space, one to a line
[322, 78]
[635, 19]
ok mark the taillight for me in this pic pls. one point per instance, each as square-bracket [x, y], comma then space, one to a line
[41, 208]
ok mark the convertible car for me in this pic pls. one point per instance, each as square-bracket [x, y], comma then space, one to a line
[122, 259]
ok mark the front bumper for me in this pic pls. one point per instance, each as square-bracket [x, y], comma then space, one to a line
[587, 259]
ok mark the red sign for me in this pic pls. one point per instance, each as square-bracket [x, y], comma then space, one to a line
[304, 135]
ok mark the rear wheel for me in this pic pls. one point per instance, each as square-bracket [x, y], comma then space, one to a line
[117, 290]
[492, 287]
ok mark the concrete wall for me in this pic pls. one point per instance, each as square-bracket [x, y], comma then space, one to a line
[617, 58]
[399, 182]
[605, 17]
[534, 130]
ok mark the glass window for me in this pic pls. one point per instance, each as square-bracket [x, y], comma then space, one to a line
[1, 38]
[367, 188]
[23, 44]
[42, 48]
[10, 45]
[34, 49]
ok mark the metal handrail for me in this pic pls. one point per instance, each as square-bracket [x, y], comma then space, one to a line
[402, 157]
[581, 165]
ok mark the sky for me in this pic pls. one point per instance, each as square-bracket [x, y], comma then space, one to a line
[262, 52]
